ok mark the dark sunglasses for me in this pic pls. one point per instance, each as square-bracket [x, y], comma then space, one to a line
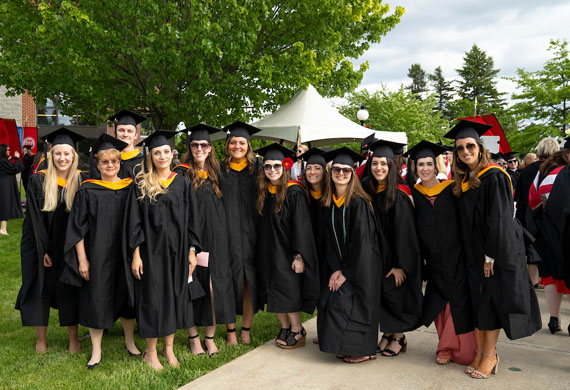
[196, 145]
[512, 161]
[268, 167]
[337, 170]
[461, 148]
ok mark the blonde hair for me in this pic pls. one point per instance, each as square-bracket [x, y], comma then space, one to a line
[547, 147]
[440, 164]
[50, 187]
[109, 153]
[148, 182]
[529, 158]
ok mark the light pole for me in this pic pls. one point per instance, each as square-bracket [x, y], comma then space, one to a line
[362, 115]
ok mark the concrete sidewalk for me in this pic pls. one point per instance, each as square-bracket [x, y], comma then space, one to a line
[541, 361]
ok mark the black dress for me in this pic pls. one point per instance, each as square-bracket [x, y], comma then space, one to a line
[213, 229]
[97, 216]
[44, 232]
[523, 212]
[441, 248]
[28, 169]
[239, 201]
[164, 230]
[506, 299]
[129, 161]
[347, 320]
[317, 220]
[281, 237]
[401, 308]
[10, 204]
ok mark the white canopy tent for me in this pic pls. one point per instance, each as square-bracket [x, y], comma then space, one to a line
[317, 122]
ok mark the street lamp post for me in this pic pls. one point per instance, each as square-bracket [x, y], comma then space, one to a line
[362, 115]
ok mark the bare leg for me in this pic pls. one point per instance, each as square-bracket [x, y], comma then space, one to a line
[195, 344]
[96, 337]
[385, 340]
[394, 346]
[553, 300]
[489, 359]
[231, 338]
[533, 273]
[285, 324]
[3, 228]
[150, 356]
[211, 330]
[41, 335]
[129, 330]
[169, 351]
[295, 320]
[480, 341]
[73, 339]
[247, 318]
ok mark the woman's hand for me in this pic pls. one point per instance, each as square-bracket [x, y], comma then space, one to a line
[336, 280]
[47, 261]
[488, 269]
[298, 264]
[399, 276]
[16, 154]
[84, 269]
[137, 265]
[192, 261]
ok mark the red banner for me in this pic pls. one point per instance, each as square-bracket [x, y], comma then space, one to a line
[9, 135]
[496, 130]
[31, 138]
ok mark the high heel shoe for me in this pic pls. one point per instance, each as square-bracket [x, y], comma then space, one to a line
[469, 370]
[291, 342]
[403, 344]
[92, 366]
[283, 333]
[133, 355]
[554, 325]
[494, 370]
[387, 338]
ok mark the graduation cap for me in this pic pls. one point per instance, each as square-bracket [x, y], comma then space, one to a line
[343, 156]
[467, 129]
[155, 140]
[200, 132]
[63, 136]
[126, 117]
[497, 156]
[509, 156]
[425, 149]
[314, 156]
[105, 142]
[447, 148]
[567, 144]
[382, 148]
[240, 129]
[367, 141]
[275, 151]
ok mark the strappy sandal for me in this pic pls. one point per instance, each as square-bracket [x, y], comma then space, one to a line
[442, 359]
[244, 329]
[493, 370]
[402, 341]
[283, 333]
[192, 338]
[469, 370]
[384, 337]
[207, 350]
[291, 342]
[227, 333]
[348, 359]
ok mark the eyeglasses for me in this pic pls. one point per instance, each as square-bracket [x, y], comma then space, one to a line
[471, 147]
[109, 162]
[337, 170]
[197, 145]
[276, 167]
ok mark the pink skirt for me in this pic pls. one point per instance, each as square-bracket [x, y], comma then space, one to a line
[460, 348]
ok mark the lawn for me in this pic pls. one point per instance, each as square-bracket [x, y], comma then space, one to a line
[22, 368]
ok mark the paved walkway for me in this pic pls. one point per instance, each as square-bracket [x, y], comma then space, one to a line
[538, 362]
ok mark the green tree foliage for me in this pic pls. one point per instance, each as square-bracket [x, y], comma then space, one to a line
[443, 91]
[419, 80]
[210, 60]
[478, 79]
[545, 97]
[399, 111]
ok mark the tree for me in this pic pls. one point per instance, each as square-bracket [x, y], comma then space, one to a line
[209, 60]
[545, 96]
[443, 91]
[478, 79]
[419, 80]
[399, 111]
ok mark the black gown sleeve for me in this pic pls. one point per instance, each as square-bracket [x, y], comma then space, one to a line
[406, 250]
[77, 229]
[133, 237]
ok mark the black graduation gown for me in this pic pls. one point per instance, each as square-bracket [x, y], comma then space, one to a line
[523, 212]
[44, 232]
[514, 177]
[401, 308]
[347, 320]
[97, 216]
[239, 202]
[164, 230]
[128, 164]
[28, 160]
[213, 228]
[317, 220]
[441, 248]
[281, 237]
[507, 299]
[10, 204]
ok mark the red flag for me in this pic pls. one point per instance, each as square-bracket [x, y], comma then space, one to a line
[31, 138]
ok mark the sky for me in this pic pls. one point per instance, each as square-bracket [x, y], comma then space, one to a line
[439, 32]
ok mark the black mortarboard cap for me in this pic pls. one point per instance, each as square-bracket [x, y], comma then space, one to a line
[367, 141]
[425, 149]
[467, 129]
[275, 151]
[382, 148]
[201, 132]
[510, 155]
[63, 136]
[343, 156]
[447, 148]
[156, 139]
[105, 141]
[567, 144]
[497, 156]
[126, 117]
[314, 156]
[240, 129]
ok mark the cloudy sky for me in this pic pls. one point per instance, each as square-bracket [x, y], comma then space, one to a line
[439, 32]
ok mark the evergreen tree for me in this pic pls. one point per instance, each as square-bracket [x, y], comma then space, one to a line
[443, 90]
[419, 80]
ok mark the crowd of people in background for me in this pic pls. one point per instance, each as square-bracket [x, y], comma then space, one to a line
[195, 244]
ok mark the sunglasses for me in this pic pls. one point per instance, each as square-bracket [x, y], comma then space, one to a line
[345, 171]
[276, 167]
[471, 147]
[197, 145]
[512, 161]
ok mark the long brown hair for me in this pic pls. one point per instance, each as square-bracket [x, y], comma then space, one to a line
[212, 167]
[558, 159]
[262, 190]
[248, 155]
[354, 188]
[460, 169]
[392, 180]
[324, 184]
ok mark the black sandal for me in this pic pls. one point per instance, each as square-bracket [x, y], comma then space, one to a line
[384, 337]
[192, 338]
[292, 343]
[283, 333]
[403, 344]
[210, 354]
[554, 325]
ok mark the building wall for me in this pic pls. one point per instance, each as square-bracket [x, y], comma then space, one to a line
[28, 111]
[11, 107]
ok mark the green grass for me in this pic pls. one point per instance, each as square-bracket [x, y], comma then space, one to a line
[22, 368]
